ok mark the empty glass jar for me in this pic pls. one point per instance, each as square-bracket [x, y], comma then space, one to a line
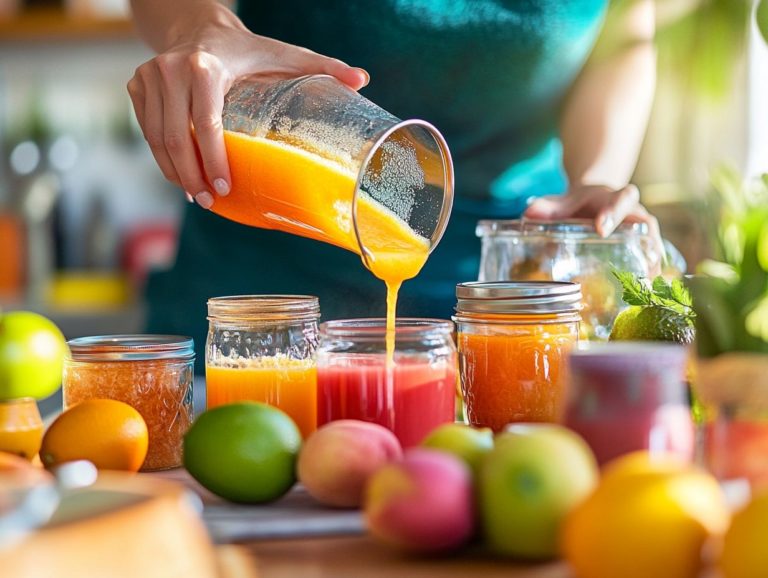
[572, 250]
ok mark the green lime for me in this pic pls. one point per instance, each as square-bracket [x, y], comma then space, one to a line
[652, 323]
[465, 442]
[244, 452]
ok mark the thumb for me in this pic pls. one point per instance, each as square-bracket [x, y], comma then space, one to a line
[313, 63]
[551, 208]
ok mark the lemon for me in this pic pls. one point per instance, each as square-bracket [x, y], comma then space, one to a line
[647, 518]
[244, 452]
[744, 553]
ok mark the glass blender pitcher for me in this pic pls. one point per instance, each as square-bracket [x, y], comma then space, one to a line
[311, 157]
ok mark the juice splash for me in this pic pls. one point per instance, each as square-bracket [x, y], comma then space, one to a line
[288, 384]
[279, 186]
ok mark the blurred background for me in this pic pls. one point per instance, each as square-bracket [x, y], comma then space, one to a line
[85, 213]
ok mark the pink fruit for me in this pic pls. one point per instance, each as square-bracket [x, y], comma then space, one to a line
[423, 503]
[337, 460]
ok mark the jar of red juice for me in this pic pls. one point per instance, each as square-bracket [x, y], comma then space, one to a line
[513, 338]
[411, 394]
[626, 396]
[152, 373]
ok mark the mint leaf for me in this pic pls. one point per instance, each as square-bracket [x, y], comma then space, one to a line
[681, 294]
[636, 290]
[662, 288]
[640, 291]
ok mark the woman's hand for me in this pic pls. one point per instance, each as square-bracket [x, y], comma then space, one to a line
[182, 90]
[608, 208]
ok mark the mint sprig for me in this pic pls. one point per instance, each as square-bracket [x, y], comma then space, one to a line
[657, 293]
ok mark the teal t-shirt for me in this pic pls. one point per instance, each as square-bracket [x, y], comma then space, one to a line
[491, 75]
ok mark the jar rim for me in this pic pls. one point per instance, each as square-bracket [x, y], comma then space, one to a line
[518, 297]
[131, 347]
[600, 353]
[263, 307]
[566, 228]
[376, 327]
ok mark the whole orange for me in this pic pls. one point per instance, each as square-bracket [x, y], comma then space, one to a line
[744, 553]
[109, 433]
[647, 518]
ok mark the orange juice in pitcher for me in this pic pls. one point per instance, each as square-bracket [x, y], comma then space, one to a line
[311, 157]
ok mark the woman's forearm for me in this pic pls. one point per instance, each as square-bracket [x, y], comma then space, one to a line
[163, 23]
[606, 113]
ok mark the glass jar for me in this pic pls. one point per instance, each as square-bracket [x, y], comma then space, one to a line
[21, 428]
[627, 396]
[571, 250]
[411, 395]
[262, 348]
[152, 373]
[513, 338]
[733, 390]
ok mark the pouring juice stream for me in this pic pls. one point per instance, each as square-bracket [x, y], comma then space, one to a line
[276, 185]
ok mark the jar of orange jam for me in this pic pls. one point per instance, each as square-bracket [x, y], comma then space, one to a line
[152, 373]
[262, 348]
[513, 339]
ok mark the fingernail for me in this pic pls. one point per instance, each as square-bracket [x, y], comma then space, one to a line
[221, 186]
[189, 197]
[607, 225]
[204, 199]
[366, 75]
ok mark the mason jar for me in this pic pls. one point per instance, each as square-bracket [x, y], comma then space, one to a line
[570, 250]
[513, 339]
[152, 373]
[411, 394]
[262, 348]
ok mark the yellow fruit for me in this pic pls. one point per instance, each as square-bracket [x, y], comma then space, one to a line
[244, 452]
[744, 550]
[648, 518]
[109, 433]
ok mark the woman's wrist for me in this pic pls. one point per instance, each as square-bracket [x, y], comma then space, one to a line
[199, 21]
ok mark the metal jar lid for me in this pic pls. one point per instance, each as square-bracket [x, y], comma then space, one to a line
[131, 348]
[518, 297]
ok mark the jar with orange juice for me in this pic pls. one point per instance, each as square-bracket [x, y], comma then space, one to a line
[21, 427]
[513, 339]
[262, 348]
[151, 373]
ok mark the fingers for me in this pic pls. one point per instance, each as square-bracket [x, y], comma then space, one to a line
[208, 89]
[148, 103]
[553, 207]
[177, 131]
[620, 204]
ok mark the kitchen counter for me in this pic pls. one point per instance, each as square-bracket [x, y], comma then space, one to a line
[296, 537]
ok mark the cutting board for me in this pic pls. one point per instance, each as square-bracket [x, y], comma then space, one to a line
[295, 515]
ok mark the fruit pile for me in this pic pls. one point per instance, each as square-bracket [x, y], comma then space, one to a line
[531, 493]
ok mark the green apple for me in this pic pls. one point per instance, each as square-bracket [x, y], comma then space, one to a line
[527, 484]
[762, 18]
[32, 351]
[466, 442]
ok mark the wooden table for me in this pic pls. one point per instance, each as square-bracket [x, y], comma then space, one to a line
[332, 544]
